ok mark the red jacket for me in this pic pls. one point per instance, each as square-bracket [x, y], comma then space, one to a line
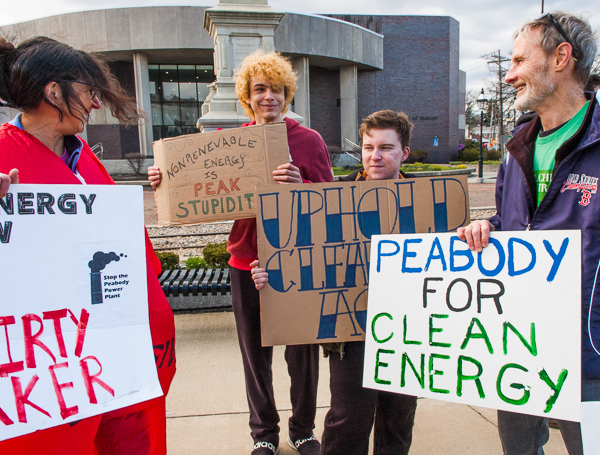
[309, 154]
[37, 164]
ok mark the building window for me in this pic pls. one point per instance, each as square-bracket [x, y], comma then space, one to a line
[177, 93]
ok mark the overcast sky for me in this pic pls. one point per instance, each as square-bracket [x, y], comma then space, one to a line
[485, 26]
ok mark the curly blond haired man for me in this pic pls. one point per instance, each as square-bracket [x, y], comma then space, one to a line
[265, 86]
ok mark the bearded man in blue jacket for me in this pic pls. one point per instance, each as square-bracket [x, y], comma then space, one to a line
[550, 181]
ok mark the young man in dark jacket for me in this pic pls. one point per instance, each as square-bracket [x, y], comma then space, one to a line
[265, 86]
[385, 137]
[549, 181]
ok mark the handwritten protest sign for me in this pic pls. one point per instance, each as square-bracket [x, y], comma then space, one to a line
[500, 329]
[74, 334]
[212, 176]
[314, 241]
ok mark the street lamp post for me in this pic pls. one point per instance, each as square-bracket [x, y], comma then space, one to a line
[481, 103]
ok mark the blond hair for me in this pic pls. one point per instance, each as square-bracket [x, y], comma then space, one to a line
[271, 66]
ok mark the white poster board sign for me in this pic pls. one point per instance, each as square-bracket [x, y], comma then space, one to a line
[500, 329]
[590, 431]
[74, 334]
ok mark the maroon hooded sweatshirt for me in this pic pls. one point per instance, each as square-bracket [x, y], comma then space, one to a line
[309, 154]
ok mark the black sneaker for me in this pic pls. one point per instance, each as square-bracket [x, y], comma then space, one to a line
[306, 446]
[264, 448]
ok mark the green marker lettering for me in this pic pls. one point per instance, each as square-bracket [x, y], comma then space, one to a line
[462, 377]
[520, 401]
[433, 372]
[387, 315]
[187, 212]
[556, 388]
[433, 330]
[420, 378]
[531, 347]
[482, 334]
[404, 336]
[382, 364]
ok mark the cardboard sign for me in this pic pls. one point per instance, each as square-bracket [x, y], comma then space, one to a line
[74, 335]
[314, 241]
[212, 176]
[500, 329]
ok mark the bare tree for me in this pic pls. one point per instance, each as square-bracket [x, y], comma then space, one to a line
[136, 162]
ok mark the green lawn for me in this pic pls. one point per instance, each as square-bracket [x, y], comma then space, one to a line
[416, 167]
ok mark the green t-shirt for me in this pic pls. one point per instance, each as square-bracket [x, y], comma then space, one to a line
[546, 146]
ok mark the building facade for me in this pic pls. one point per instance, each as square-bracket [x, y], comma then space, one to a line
[348, 67]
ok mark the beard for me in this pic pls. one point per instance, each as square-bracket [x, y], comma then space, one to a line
[536, 90]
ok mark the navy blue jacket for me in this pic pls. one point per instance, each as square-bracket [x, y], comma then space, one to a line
[572, 202]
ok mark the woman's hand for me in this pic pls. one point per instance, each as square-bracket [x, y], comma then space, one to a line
[259, 275]
[287, 173]
[154, 176]
[7, 179]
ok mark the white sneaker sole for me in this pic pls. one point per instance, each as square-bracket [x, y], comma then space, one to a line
[291, 444]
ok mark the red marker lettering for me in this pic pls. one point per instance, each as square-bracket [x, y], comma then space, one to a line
[90, 379]
[21, 399]
[4, 418]
[233, 184]
[10, 367]
[31, 340]
[58, 388]
[81, 327]
[56, 316]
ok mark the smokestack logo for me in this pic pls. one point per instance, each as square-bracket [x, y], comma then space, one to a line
[99, 261]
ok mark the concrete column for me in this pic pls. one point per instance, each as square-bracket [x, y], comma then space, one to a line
[142, 96]
[239, 28]
[349, 102]
[302, 99]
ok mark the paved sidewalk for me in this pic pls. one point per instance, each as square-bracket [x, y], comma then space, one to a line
[207, 412]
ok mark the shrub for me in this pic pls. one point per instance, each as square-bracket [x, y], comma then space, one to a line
[472, 145]
[469, 154]
[493, 155]
[196, 262]
[216, 255]
[417, 156]
[168, 260]
[334, 149]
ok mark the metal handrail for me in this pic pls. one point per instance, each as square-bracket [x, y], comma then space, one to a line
[352, 149]
[100, 153]
[350, 146]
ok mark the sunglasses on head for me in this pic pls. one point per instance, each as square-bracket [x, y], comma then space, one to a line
[560, 30]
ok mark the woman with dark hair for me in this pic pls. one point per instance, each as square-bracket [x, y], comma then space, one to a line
[56, 88]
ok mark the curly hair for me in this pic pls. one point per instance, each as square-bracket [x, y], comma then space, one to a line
[388, 119]
[271, 66]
